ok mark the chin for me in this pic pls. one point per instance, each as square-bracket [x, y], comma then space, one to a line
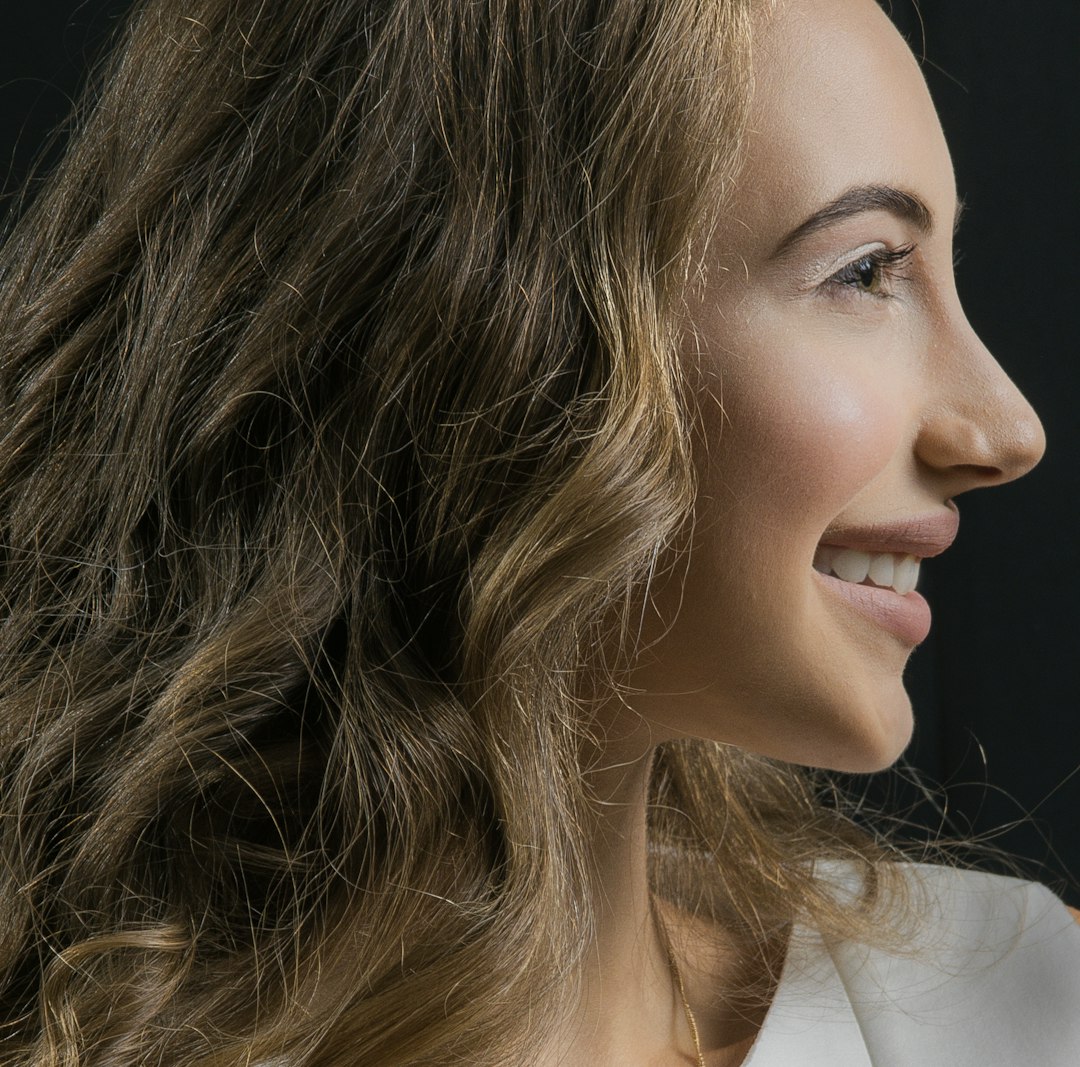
[879, 743]
[855, 728]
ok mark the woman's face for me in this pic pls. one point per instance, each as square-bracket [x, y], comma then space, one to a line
[844, 402]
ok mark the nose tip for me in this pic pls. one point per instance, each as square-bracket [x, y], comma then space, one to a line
[1023, 443]
[987, 434]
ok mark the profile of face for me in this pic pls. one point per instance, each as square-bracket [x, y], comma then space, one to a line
[844, 402]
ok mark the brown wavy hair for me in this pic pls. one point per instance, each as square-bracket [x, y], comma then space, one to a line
[340, 428]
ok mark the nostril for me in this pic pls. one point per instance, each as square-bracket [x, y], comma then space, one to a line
[979, 455]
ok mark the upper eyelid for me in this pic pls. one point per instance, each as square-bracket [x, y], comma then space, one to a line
[877, 249]
[884, 256]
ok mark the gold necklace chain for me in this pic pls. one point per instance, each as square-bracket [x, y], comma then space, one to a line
[677, 975]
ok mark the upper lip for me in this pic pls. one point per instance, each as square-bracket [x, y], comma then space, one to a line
[919, 535]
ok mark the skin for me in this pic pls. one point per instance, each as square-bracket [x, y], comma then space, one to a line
[824, 402]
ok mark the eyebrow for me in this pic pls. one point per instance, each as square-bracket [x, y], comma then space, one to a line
[905, 206]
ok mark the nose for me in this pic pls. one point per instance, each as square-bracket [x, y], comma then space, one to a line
[978, 430]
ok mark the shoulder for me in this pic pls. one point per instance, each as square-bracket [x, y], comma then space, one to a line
[960, 905]
[989, 973]
[952, 899]
[994, 963]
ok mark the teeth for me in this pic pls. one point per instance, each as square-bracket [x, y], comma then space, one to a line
[901, 573]
[851, 566]
[907, 574]
[882, 569]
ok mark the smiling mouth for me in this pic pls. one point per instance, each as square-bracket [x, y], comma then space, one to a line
[883, 570]
[873, 569]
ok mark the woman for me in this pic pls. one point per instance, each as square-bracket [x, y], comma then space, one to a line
[461, 463]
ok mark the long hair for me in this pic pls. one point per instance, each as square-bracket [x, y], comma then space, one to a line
[340, 416]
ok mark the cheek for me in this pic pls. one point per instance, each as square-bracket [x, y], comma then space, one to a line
[800, 438]
[796, 431]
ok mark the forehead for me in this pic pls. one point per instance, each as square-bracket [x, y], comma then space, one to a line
[838, 102]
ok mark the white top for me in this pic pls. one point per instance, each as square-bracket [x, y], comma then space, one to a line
[994, 980]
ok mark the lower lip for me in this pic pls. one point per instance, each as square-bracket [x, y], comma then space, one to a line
[906, 617]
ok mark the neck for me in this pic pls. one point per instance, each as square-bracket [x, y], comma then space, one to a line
[630, 1010]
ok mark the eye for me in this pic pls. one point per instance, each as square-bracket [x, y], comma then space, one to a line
[874, 273]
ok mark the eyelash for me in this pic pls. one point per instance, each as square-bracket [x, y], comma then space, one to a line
[886, 266]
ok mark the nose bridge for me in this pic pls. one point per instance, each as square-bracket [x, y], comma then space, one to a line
[978, 425]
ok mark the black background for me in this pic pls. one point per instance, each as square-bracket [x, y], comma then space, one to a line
[995, 686]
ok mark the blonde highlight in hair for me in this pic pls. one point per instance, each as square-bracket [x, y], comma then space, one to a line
[340, 416]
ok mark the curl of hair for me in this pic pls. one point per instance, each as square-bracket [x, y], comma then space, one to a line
[339, 416]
